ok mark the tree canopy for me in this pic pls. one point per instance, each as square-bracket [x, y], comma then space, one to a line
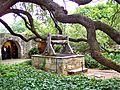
[59, 14]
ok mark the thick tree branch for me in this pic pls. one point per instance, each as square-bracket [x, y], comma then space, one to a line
[29, 25]
[6, 5]
[49, 4]
[118, 1]
[109, 31]
[56, 23]
[78, 39]
[95, 51]
[107, 62]
[81, 2]
[15, 34]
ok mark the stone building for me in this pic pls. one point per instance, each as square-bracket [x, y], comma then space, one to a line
[12, 47]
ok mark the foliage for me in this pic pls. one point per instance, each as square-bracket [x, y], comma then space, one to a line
[33, 51]
[42, 27]
[3, 30]
[79, 47]
[23, 77]
[91, 63]
[107, 13]
[45, 27]
[33, 9]
[29, 62]
[99, 12]
[113, 56]
[58, 48]
[74, 31]
[19, 27]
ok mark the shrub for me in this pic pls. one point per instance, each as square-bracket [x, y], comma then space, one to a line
[29, 62]
[33, 51]
[114, 57]
[91, 63]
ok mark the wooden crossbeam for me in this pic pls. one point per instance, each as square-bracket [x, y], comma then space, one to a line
[57, 39]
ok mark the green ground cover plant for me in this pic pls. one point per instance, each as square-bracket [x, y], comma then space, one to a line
[26, 77]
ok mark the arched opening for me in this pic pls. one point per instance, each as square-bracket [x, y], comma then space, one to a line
[10, 50]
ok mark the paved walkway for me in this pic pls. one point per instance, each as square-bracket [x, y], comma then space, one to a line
[103, 74]
[14, 61]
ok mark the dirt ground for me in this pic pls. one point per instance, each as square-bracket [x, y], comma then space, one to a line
[103, 74]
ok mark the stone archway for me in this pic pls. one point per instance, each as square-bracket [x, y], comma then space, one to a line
[10, 50]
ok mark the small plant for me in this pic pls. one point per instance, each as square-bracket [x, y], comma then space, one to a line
[42, 64]
[90, 62]
[112, 56]
[58, 48]
[27, 62]
[33, 51]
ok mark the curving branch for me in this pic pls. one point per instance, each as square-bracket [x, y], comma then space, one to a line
[96, 53]
[118, 1]
[15, 34]
[26, 23]
[6, 5]
[84, 2]
[81, 2]
[110, 31]
[29, 25]
[55, 22]
[78, 39]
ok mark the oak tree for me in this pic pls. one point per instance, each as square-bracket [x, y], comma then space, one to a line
[59, 14]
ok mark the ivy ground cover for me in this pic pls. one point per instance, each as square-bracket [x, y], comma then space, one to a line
[25, 77]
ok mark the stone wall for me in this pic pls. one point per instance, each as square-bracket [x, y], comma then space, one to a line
[23, 47]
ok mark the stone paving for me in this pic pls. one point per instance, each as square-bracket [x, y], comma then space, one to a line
[14, 61]
[102, 74]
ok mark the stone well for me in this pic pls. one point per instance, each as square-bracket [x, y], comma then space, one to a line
[61, 64]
